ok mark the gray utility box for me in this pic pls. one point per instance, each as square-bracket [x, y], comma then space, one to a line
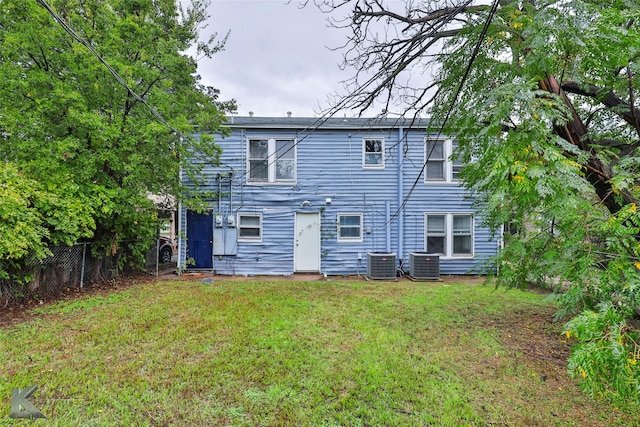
[225, 241]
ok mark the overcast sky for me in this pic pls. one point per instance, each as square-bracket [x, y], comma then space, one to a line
[276, 59]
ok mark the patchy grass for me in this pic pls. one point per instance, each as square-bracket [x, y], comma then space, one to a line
[277, 352]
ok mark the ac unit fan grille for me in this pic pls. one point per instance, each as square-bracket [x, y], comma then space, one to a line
[424, 266]
[381, 266]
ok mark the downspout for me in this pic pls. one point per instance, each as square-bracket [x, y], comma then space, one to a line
[400, 215]
[218, 180]
[387, 211]
[180, 265]
[231, 191]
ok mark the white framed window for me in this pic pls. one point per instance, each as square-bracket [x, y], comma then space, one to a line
[272, 160]
[462, 235]
[436, 234]
[439, 165]
[456, 165]
[349, 227]
[373, 153]
[449, 234]
[249, 227]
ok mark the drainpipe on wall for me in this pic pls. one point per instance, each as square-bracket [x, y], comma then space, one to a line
[180, 236]
[400, 195]
[387, 210]
[180, 219]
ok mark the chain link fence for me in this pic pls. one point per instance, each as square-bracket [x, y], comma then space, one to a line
[75, 267]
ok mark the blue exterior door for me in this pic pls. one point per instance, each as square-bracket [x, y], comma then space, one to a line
[200, 239]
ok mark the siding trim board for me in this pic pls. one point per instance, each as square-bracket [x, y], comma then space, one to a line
[330, 181]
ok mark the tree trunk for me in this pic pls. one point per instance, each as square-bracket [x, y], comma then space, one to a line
[574, 131]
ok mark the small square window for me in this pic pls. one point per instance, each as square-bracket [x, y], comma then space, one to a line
[250, 227]
[349, 227]
[373, 153]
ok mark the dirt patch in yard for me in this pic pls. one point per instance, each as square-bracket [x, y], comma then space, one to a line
[534, 334]
[16, 313]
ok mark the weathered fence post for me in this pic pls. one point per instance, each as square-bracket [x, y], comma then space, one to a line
[84, 257]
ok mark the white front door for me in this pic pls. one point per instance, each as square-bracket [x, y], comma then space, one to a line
[307, 242]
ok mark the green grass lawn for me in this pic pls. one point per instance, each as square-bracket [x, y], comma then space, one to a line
[285, 352]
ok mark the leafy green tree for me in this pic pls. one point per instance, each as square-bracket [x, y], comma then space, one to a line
[98, 100]
[548, 126]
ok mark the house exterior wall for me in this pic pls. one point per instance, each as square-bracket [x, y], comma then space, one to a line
[329, 165]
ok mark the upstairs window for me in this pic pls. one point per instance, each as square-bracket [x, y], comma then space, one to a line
[456, 165]
[373, 153]
[349, 227]
[434, 159]
[439, 164]
[259, 160]
[272, 160]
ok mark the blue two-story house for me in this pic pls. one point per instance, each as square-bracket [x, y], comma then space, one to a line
[315, 195]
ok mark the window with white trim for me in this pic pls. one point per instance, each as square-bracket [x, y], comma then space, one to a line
[456, 165]
[462, 235]
[448, 234]
[272, 160]
[436, 234]
[249, 227]
[373, 153]
[439, 165]
[349, 227]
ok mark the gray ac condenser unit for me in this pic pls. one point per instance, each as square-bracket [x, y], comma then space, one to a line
[381, 266]
[423, 266]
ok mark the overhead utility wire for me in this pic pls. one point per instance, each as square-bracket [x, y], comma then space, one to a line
[115, 74]
[476, 49]
[321, 120]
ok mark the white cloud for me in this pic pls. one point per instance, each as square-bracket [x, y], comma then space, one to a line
[276, 59]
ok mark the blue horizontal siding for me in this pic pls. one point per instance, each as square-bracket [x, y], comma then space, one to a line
[329, 165]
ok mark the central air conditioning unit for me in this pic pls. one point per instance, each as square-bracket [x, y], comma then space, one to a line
[423, 266]
[381, 266]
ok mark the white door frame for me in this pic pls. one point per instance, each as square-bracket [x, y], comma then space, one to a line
[306, 242]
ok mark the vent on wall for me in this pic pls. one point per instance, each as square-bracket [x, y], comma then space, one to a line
[423, 266]
[381, 266]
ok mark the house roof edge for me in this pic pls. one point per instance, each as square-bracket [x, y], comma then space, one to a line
[313, 123]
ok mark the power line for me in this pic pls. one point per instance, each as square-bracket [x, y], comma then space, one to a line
[320, 121]
[474, 54]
